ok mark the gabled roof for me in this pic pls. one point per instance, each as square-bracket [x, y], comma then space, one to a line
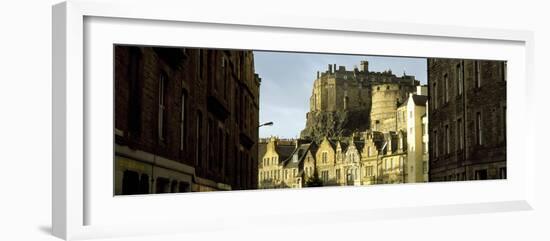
[262, 148]
[343, 146]
[359, 145]
[285, 151]
[378, 139]
[332, 144]
[313, 148]
[300, 152]
[419, 100]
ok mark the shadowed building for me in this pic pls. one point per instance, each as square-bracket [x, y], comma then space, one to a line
[185, 120]
[467, 119]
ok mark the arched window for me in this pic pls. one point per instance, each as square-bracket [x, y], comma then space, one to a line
[130, 183]
[144, 184]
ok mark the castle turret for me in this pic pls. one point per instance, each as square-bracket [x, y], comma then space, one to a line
[365, 66]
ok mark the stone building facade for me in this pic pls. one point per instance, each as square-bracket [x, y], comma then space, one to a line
[273, 160]
[467, 119]
[185, 120]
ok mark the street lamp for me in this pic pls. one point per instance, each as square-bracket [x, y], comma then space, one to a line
[266, 124]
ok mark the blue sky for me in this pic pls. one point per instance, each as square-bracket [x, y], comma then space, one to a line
[287, 81]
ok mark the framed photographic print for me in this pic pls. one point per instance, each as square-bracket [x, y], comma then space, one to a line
[167, 122]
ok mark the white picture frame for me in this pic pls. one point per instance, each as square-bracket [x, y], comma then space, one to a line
[76, 199]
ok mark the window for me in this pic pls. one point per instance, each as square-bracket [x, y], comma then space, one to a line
[481, 174]
[182, 120]
[423, 128]
[447, 139]
[504, 71]
[163, 185]
[435, 143]
[161, 107]
[460, 131]
[209, 142]
[479, 138]
[477, 72]
[130, 183]
[425, 167]
[221, 150]
[198, 137]
[184, 187]
[370, 171]
[174, 186]
[435, 96]
[447, 89]
[503, 120]
[225, 76]
[410, 114]
[459, 78]
[424, 147]
[324, 157]
[368, 151]
[324, 176]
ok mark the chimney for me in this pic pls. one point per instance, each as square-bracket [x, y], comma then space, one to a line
[390, 143]
[272, 144]
[330, 68]
[317, 74]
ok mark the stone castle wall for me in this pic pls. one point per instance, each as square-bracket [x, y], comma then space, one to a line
[386, 97]
[344, 101]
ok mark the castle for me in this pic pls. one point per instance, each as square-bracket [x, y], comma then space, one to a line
[345, 101]
[362, 128]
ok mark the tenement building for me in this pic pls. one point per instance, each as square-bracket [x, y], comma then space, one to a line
[467, 119]
[185, 120]
[362, 128]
